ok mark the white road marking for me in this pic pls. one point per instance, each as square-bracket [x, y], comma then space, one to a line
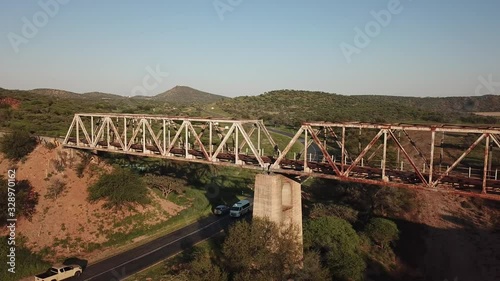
[157, 249]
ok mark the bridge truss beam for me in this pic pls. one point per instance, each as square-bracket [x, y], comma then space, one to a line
[193, 139]
[469, 149]
[443, 158]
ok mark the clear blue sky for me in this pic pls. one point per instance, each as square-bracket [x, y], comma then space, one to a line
[429, 48]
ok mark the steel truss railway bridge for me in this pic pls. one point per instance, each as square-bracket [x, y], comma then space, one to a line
[447, 158]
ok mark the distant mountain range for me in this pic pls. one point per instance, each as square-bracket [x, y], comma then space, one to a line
[281, 107]
[68, 94]
[178, 94]
[298, 100]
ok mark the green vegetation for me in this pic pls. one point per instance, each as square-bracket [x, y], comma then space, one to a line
[203, 269]
[378, 237]
[120, 188]
[221, 185]
[365, 199]
[365, 210]
[48, 112]
[259, 250]
[282, 142]
[174, 269]
[319, 210]
[342, 239]
[313, 268]
[26, 200]
[249, 249]
[17, 144]
[165, 184]
[51, 115]
[392, 201]
[291, 107]
[197, 188]
[347, 231]
[197, 206]
[339, 244]
[27, 262]
[382, 231]
[85, 161]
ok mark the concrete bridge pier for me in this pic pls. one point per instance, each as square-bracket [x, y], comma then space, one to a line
[278, 198]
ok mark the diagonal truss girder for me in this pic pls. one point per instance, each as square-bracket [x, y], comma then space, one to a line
[221, 141]
[202, 138]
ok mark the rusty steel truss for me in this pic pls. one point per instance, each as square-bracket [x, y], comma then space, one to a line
[445, 158]
[179, 138]
[425, 169]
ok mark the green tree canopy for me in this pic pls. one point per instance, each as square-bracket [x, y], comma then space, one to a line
[165, 184]
[120, 188]
[17, 144]
[337, 210]
[312, 269]
[261, 250]
[204, 269]
[340, 245]
[26, 199]
[382, 231]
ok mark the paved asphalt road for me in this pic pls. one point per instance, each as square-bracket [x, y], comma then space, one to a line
[125, 264]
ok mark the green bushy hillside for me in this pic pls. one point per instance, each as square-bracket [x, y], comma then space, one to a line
[291, 107]
[49, 112]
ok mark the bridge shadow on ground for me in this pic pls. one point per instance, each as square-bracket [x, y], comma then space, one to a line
[221, 186]
[461, 249]
[76, 261]
[463, 253]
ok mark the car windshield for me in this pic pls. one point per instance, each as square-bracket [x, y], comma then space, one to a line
[235, 208]
[220, 207]
[53, 270]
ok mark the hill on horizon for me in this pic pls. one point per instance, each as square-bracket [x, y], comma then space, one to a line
[177, 95]
[187, 95]
[55, 93]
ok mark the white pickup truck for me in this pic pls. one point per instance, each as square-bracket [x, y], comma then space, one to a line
[57, 273]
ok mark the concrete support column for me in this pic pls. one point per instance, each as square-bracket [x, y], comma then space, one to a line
[278, 199]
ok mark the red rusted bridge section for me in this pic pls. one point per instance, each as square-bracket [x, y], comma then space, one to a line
[447, 158]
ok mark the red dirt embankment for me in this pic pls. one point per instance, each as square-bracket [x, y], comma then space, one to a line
[70, 220]
[12, 102]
